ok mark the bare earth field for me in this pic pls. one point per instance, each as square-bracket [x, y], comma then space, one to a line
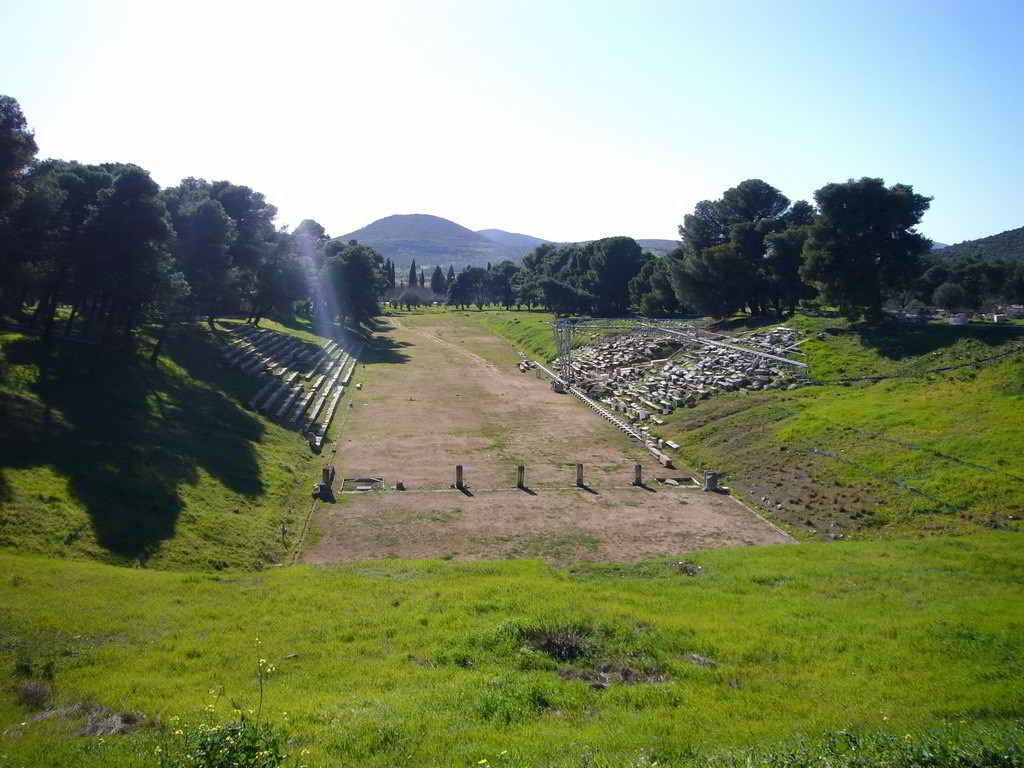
[442, 391]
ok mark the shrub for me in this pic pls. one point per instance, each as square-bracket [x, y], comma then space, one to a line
[562, 642]
[34, 694]
[244, 743]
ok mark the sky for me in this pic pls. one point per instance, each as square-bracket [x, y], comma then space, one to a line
[563, 120]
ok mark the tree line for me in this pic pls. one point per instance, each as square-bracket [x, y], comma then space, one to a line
[115, 251]
[105, 242]
[752, 250]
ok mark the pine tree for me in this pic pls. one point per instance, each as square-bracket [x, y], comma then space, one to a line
[412, 275]
[437, 282]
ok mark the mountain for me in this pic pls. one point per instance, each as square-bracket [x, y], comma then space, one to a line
[523, 243]
[658, 247]
[430, 240]
[937, 246]
[1005, 245]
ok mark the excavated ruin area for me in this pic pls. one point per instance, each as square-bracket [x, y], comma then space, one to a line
[440, 391]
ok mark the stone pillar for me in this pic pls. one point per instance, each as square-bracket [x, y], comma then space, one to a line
[710, 480]
[458, 477]
[579, 475]
[638, 474]
[520, 476]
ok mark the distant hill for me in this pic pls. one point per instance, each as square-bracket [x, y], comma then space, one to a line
[1005, 245]
[658, 247]
[524, 243]
[432, 240]
[936, 246]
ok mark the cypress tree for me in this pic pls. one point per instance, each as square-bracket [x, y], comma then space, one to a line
[412, 274]
[437, 282]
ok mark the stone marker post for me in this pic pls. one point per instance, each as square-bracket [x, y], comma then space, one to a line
[520, 476]
[579, 475]
[710, 480]
[458, 477]
[638, 474]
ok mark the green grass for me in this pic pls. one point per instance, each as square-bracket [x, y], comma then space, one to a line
[530, 332]
[837, 350]
[105, 456]
[430, 663]
[910, 453]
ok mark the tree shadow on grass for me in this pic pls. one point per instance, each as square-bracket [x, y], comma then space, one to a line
[897, 341]
[384, 350]
[127, 437]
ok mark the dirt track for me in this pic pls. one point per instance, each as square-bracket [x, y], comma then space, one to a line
[445, 392]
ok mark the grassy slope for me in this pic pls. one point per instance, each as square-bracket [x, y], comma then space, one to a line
[105, 456]
[530, 332]
[401, 663]
[877, 454]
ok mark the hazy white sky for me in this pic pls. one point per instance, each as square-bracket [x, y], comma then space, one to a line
[562, 120]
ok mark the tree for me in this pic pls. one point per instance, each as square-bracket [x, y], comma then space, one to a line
[712, 221]
[412, 274]
[782, 267]
[17, 148]
[410, 298]
[613, 262]
[450, 278]
[280, 280]
[256, 239]
[310, 238]
[863, 243]
[713, 281]
[355, 276]
[205, 234]
[130, 234]
[728, 239]
[437, 282]
[800, 214]
[468, 288]
[650, 291]
[950, 296]
[499, 283]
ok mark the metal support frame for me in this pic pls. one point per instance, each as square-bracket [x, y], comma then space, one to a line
[565, 330]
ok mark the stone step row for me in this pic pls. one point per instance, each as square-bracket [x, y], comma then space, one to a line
[320, 430]
[331, 379]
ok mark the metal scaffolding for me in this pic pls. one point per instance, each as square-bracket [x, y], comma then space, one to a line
[566, 328]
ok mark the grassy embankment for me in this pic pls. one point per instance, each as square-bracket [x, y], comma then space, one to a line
[913, 452]
[400, 663]
[105, 456]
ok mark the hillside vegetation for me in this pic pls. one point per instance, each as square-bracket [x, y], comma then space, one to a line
[885, 440]
[517, 664]
[105, 456]
[1008, 245]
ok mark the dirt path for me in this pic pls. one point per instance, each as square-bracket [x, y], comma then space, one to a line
[445, 392]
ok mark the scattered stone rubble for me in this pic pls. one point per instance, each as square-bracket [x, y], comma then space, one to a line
[646, 376]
